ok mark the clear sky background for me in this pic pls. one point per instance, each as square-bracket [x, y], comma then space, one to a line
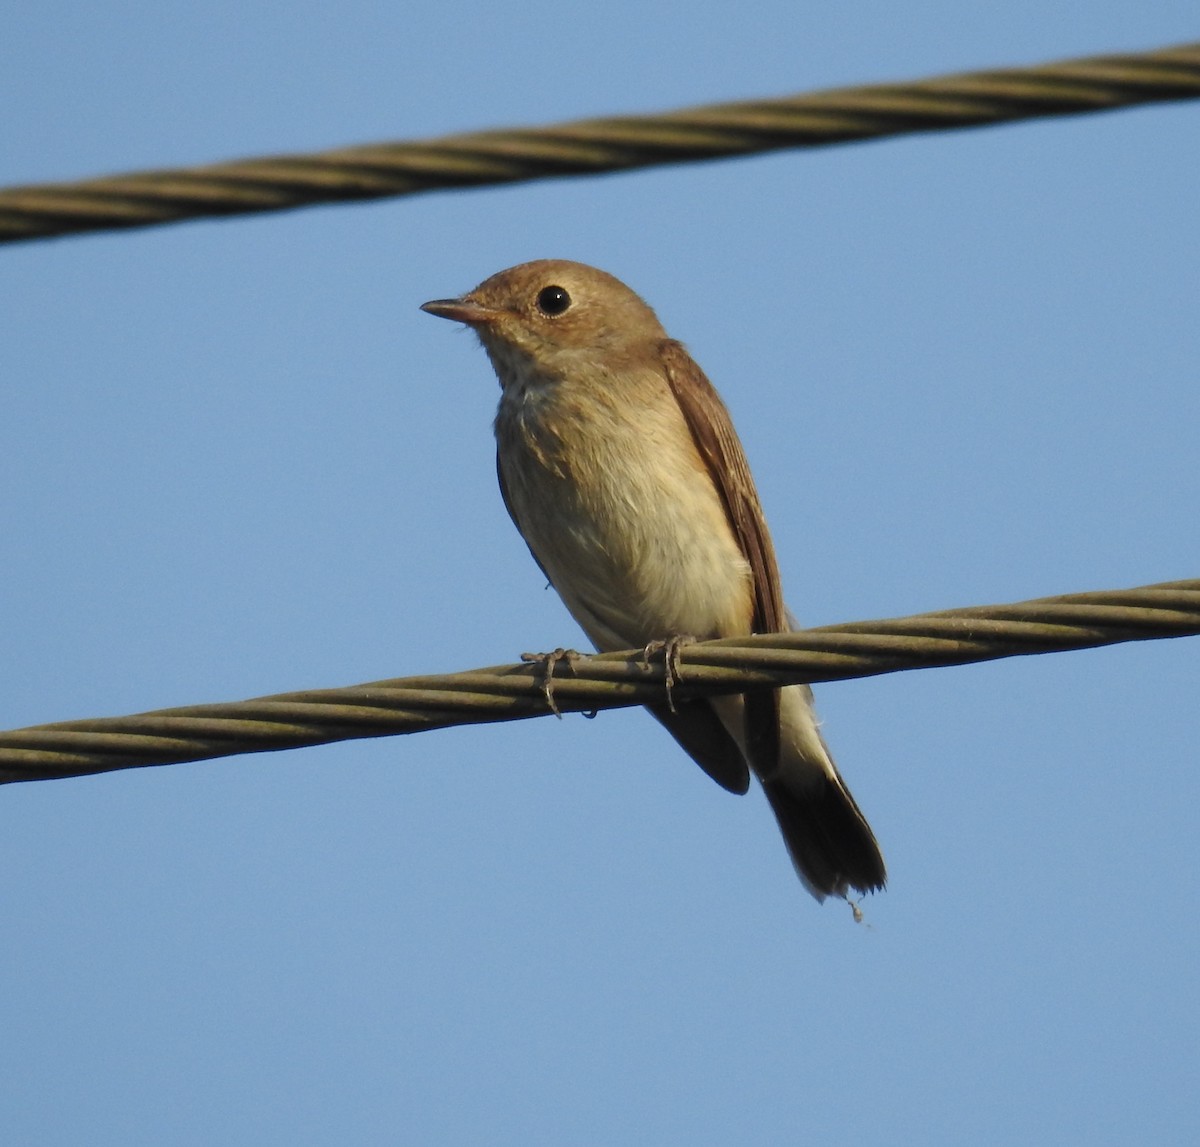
[236, 459]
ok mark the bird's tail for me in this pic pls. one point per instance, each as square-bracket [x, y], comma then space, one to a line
[832, 847]
[830, 842]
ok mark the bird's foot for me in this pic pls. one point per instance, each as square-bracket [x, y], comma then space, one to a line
[548, 662]
[672, 657]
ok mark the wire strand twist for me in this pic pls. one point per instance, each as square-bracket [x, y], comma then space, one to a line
[611, 680]
[591, 146]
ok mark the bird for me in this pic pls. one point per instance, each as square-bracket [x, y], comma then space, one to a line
[619, 464]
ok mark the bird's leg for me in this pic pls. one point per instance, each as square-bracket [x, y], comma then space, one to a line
[672, 655]
[548, 661]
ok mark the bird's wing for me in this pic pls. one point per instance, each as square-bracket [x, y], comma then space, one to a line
[715, 438]
[512, 514]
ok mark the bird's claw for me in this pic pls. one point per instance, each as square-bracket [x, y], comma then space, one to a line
[672, 656]
[548, 661]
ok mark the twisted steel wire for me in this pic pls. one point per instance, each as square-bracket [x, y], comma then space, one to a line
[613, 680]
[591, 146]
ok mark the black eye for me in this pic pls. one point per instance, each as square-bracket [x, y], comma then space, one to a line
[553, 300]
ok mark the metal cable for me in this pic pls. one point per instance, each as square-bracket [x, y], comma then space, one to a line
[277, 183]
[613, 680]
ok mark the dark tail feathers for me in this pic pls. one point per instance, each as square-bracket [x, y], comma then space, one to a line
[831, 844]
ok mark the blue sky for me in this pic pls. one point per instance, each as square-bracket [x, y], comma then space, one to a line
[236, 459]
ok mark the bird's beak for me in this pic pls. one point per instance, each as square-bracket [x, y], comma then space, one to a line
[464, 310]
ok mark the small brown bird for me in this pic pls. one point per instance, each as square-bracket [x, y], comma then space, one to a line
[620, 466]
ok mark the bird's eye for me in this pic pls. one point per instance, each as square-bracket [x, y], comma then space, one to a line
[553, 300]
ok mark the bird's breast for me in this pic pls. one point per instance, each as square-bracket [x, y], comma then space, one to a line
[610, 493]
